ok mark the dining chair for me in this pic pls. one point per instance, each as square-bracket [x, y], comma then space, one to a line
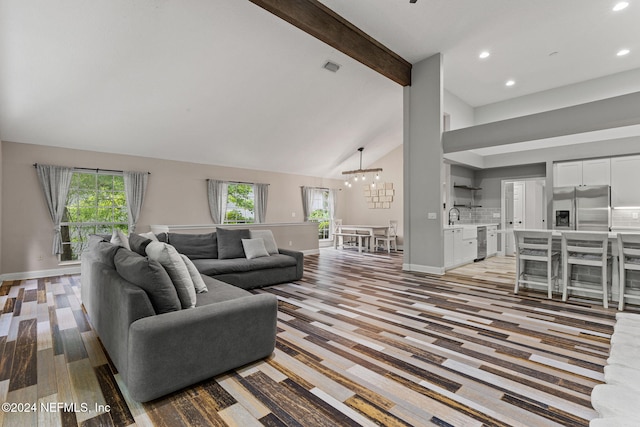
[628, 259]
[389, 237]
[536, 246]
[587, 249]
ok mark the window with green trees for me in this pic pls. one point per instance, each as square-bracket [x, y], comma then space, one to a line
[320, 213]
[240, 204]
[96, 204]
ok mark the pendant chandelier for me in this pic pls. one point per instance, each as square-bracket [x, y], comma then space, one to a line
[361, 174]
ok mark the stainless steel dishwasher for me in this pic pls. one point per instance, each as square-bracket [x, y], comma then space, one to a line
[482, 243]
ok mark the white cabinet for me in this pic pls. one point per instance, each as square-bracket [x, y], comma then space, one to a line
[492, 240]
[452, 247]
[567, 174]
[596, 172]
[625, 181]
[582, 172]
[469, 250]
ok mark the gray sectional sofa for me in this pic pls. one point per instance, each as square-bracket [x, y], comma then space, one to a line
[219, 255]
[159, 347]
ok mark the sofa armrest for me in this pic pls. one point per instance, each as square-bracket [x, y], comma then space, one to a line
[299, 256]
[173, 350]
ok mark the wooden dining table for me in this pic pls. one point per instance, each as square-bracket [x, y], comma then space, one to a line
[367, 230]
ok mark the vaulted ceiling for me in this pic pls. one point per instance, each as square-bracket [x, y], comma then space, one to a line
[225, 82]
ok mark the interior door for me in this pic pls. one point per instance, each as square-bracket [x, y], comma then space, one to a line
[509, 242]
[519, 205]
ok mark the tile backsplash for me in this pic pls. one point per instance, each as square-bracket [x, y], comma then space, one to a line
[479, 215]
[625, 218]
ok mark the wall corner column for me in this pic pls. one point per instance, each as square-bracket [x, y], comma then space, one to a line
[423, 162]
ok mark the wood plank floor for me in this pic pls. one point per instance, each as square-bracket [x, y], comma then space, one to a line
[359, 343]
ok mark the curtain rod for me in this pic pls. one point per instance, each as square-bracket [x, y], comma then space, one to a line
[238, 182]
[35, 165]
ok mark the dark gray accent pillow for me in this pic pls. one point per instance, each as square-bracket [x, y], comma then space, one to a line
[163, 237]
[138, 244]
[102, 250]
[230, 242]
[195, 246]
[150, 276]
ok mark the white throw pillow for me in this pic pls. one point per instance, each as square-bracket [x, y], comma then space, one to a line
[254, 248]
[171, 260]
[120, 239]
[198, 282]
[269, 241]
[150, 235]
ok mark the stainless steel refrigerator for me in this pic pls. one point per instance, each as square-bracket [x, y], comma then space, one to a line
[585, 208]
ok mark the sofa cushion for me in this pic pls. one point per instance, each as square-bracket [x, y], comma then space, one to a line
[230, 242]
[138, 244]
[150, 235]
[171, 260]
[101, 250]
[219, 292]
[195, 246]
[269, 240]
[198, 283]
[150, 276]
[254, 248]
[119, 238]
[212, 267]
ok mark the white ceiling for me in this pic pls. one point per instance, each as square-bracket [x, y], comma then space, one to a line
[224, 82]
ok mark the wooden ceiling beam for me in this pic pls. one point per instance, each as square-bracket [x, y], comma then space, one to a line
[324, 24]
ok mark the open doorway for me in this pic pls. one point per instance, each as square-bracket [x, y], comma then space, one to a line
[523, 207]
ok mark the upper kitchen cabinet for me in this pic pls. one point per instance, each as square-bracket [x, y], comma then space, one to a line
[625, 176]
[567, 174]
[582, 172]
[596, 172]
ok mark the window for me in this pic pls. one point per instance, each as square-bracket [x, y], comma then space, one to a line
[96, 204]
[320, 212]
[240, 204]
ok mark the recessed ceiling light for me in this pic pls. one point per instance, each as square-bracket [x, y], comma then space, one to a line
[484, 54]
[623, 52]
[510, 83]
[620, 5]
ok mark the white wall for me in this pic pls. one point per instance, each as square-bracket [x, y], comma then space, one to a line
[461, 115]
[176, 194]
[565, 96]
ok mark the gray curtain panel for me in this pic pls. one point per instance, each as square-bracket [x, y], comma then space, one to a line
[260, 195]
[135, 186]
[333, 201]
[307, 201]
[55, 182]
[217, 193]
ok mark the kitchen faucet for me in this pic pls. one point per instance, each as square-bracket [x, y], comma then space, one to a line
[457, 212]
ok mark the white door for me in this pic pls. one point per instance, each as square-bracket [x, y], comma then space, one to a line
[535, 204]
[519, 208]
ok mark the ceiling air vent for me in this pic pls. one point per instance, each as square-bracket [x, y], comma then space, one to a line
[331, 66]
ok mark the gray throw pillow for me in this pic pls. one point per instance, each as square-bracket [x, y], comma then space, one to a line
[230, 242]
[195, 246]
[269, 241]
[198, 282]
[150, 276]
[171, 260]
[138, 244]
[254, 248]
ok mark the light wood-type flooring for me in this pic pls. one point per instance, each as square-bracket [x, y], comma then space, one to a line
[360, 342]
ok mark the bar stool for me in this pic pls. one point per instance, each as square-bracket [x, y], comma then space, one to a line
[536, 246]
[585, 248]
[629, 259]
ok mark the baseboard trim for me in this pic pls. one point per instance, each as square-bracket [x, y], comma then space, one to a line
[311, 251]
[24, 275]
[423, 269]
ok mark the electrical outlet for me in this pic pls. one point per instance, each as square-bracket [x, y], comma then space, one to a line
[432, 215]
[496, 215]
[293, 214]
[40, 257]
[634, 215]
[290, 243]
